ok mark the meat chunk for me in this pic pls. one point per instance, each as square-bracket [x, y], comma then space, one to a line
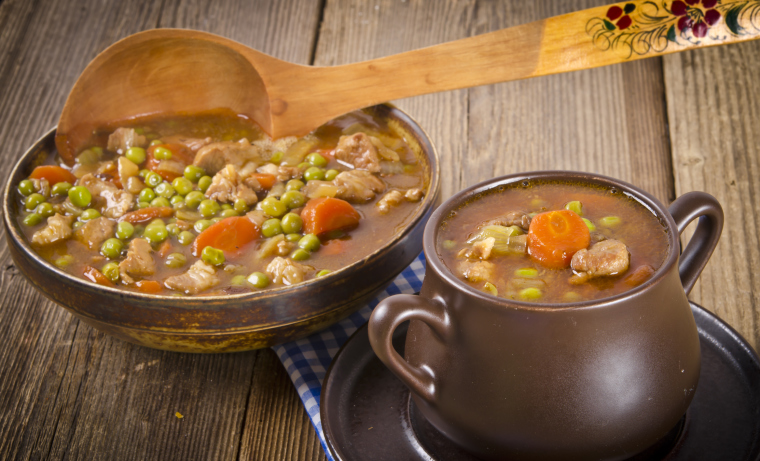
[227, 186]
[513, 218]
[124, 138]
[358, 185]
[392, 198]
[413, 195]
[215, 156]
[476, 271]
[358, 151]
[199, 277]
[113, 201]
[139, 261]
[58, 228]
[608, 257]
[483, 248]
[286, 271]
[191, 143]
[269, 147]
[95, 231]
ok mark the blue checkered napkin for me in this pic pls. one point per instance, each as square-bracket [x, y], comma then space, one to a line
[307, 360]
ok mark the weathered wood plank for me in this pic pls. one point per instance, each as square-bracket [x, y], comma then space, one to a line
[714, 109]
[609, 120]
[67, 390]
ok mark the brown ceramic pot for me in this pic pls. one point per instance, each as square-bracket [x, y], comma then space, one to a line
[601, 379]
[238, 321]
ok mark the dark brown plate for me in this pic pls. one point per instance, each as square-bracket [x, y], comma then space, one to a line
[367, 414]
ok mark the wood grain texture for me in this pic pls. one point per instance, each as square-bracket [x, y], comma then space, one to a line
[609, 120]
[713, 99]
[68, 391]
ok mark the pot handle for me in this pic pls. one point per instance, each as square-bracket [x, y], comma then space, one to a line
[699, 249]
[387, 316]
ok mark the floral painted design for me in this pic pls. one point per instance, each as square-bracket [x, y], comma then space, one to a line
[640, 28]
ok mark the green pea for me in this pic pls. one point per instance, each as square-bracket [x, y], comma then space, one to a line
[111, 271]
[310, 242]
[193, 199]
[176, 260]
[323, 272]
[111, 248]
[211, 255]
[136, 155]
[293, 199]
[575, 206]
[304, 165]
[33, 201]
[449, 244]
[32, 219]
[291, 223]
[209, 208]
[300, 255]
[77, 225]
[144, 173]
[45, 210]
[271, 227]
[80, 196]
[146, 195]
[165, 190]
[177, 200]
[240, 206]
[331, 174]
[139, 229]
[183, 186]
[314, 174]
[193, 173]
[216, 220]
[316, 159]
[156, 142]
[226, 206]
[89, 214]
[156, 233]
[527, 272]
[293, 237]
[571, 297]
[26, 187]
[153, 179]
[204, 183]
[294, 184]
[490, 288]
[60, 188]
[228, 213]
[90, 156]
[201, 225]
[173, 229]
[64, 261]
[124, 230]
[273, 207]
[239, 281]
[530, 294]
[142, 205]
[589, 224]
[157, 222]
[610, 221]
[160, 201]
[186, 237]
[277, 157]
[259, 280]
[162, 153]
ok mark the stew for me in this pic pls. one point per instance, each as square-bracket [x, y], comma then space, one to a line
[209, 204]
[553, 242]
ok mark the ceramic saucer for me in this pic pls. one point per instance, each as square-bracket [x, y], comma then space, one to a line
[367, 413]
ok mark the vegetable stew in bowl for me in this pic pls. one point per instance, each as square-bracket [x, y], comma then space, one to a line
[553, 242]
[208, 204]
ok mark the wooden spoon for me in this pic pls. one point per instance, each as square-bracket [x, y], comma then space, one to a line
[184, 71]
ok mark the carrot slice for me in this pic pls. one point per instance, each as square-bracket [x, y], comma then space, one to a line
[149, 286]
[53, 174]
[229, 235]
[94, 275]
[334, 247]
[326, 214]
[265, 180]
[148, 214]
[165, 249]
[555, 236]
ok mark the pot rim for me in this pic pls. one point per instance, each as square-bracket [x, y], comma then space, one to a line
[435, 263]
[13, 231]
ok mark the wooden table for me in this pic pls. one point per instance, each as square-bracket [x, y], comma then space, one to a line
[690, 121]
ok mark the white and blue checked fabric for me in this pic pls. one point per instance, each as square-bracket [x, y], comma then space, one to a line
[307, 360]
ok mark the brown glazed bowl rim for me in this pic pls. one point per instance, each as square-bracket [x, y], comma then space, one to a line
[435, 263]
[387, 111]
